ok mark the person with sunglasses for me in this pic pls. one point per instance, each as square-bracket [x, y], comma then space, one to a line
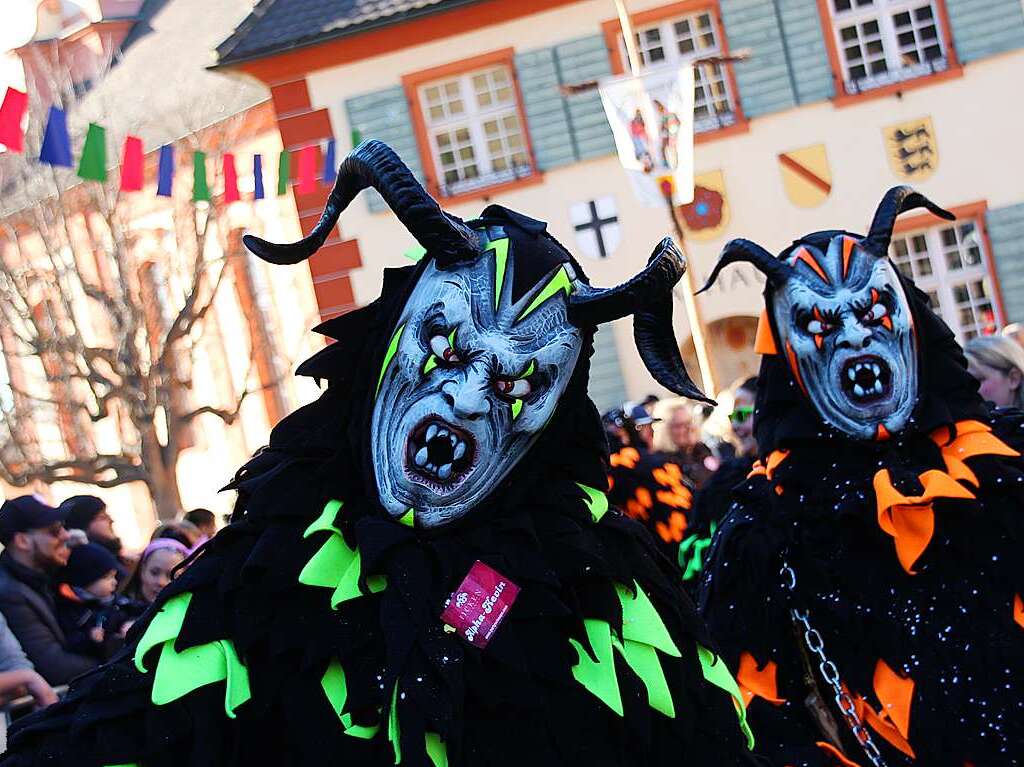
[742, 418]
[35, 550]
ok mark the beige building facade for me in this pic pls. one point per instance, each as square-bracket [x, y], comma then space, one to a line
[834, 104]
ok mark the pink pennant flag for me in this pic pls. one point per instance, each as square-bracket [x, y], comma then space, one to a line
[131, 165]
[230, 179]
[11, 113]
[307, 170]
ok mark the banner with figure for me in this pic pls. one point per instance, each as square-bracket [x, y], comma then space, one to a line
[652, 121]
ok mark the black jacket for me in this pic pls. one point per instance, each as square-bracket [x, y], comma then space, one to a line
[27, 603]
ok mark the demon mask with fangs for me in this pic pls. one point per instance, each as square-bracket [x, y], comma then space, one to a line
[838, 313]
[485, 343]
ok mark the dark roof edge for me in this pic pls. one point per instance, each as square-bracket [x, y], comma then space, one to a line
[225, 61]
[235, 38]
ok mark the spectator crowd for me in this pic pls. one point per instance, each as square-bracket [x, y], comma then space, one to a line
[69, 591]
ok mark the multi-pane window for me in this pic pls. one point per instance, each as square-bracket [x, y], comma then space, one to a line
[476, 137]
[682, 39]
[948, 263]
[887, 41]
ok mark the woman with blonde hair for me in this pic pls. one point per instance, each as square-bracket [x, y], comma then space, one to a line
[998, 364]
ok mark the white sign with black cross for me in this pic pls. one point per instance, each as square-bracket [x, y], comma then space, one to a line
[596, 224]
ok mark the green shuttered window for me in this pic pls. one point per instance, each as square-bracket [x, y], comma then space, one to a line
[1006, 233]
[985, 27]
[384, 115]
[565, 129]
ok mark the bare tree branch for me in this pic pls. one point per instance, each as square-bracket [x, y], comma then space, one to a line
[90, 334]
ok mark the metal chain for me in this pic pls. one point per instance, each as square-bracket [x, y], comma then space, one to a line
[830, 674]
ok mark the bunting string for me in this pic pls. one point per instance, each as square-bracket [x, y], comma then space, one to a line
[315, 164]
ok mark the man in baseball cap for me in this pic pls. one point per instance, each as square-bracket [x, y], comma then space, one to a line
[35, 549]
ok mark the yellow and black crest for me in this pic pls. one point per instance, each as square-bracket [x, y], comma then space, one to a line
[912, 149]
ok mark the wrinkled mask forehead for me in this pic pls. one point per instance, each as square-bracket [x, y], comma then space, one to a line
[470, 379]
[847, 334]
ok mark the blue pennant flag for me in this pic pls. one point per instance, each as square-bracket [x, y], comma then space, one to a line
[56, 142]
[330, 166]
[257, 176]
[165, 171]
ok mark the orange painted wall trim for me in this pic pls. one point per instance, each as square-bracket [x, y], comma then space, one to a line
[842, 98]
[612, 30]
[290, 65]
[974, 211]
[301, 125]
[411, 83]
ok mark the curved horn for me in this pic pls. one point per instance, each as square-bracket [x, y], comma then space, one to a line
[648, 297]
[375, 164]
[775, 270]
[897, 200]
[594, 306]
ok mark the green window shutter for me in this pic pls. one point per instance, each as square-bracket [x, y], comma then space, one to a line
[606, 388]
[804, 40]
[547, 113]
[384, 115]
[764, 81]
[579, 61]
[1006, 233]
[565, 129]
[985, 27]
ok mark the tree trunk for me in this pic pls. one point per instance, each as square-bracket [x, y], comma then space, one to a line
[166, 497]
[161, 476]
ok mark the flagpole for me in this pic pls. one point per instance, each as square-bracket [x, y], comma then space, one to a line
[630, 39]
[693, 312]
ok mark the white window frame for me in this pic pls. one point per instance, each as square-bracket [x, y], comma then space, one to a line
[473, 118]
[941, 284]
[702, 74]
[883, 12]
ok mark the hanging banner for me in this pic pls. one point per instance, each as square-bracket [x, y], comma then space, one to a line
[12, 111]
[230, 172]
[132, 165]
[652, 121]
[56, 149]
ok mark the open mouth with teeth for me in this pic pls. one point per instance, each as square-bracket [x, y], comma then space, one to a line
[439, 453]
[866, 379]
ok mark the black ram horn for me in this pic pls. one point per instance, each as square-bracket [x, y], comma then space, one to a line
[648, 297]
[734, 251]
[375, 164]
[897, 200]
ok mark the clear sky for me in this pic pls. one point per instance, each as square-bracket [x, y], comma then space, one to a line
[19, 22]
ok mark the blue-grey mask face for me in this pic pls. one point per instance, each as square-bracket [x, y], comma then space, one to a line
[846, 330]
[469, 382]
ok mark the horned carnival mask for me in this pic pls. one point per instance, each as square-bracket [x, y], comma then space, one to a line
[842, 319]
[486, 342]
[473, 380]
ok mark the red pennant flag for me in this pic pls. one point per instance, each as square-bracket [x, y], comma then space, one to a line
[131, 165]
[230, 179]
[11, 114]
[307, 170]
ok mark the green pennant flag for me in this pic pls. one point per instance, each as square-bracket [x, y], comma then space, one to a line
[200, 189]
[93, 163]
[284, 171]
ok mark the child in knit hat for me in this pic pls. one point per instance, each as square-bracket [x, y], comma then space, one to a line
[86, 601]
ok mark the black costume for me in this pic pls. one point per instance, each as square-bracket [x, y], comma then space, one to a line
[308, 630]
[650, 487]
[898, 556]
